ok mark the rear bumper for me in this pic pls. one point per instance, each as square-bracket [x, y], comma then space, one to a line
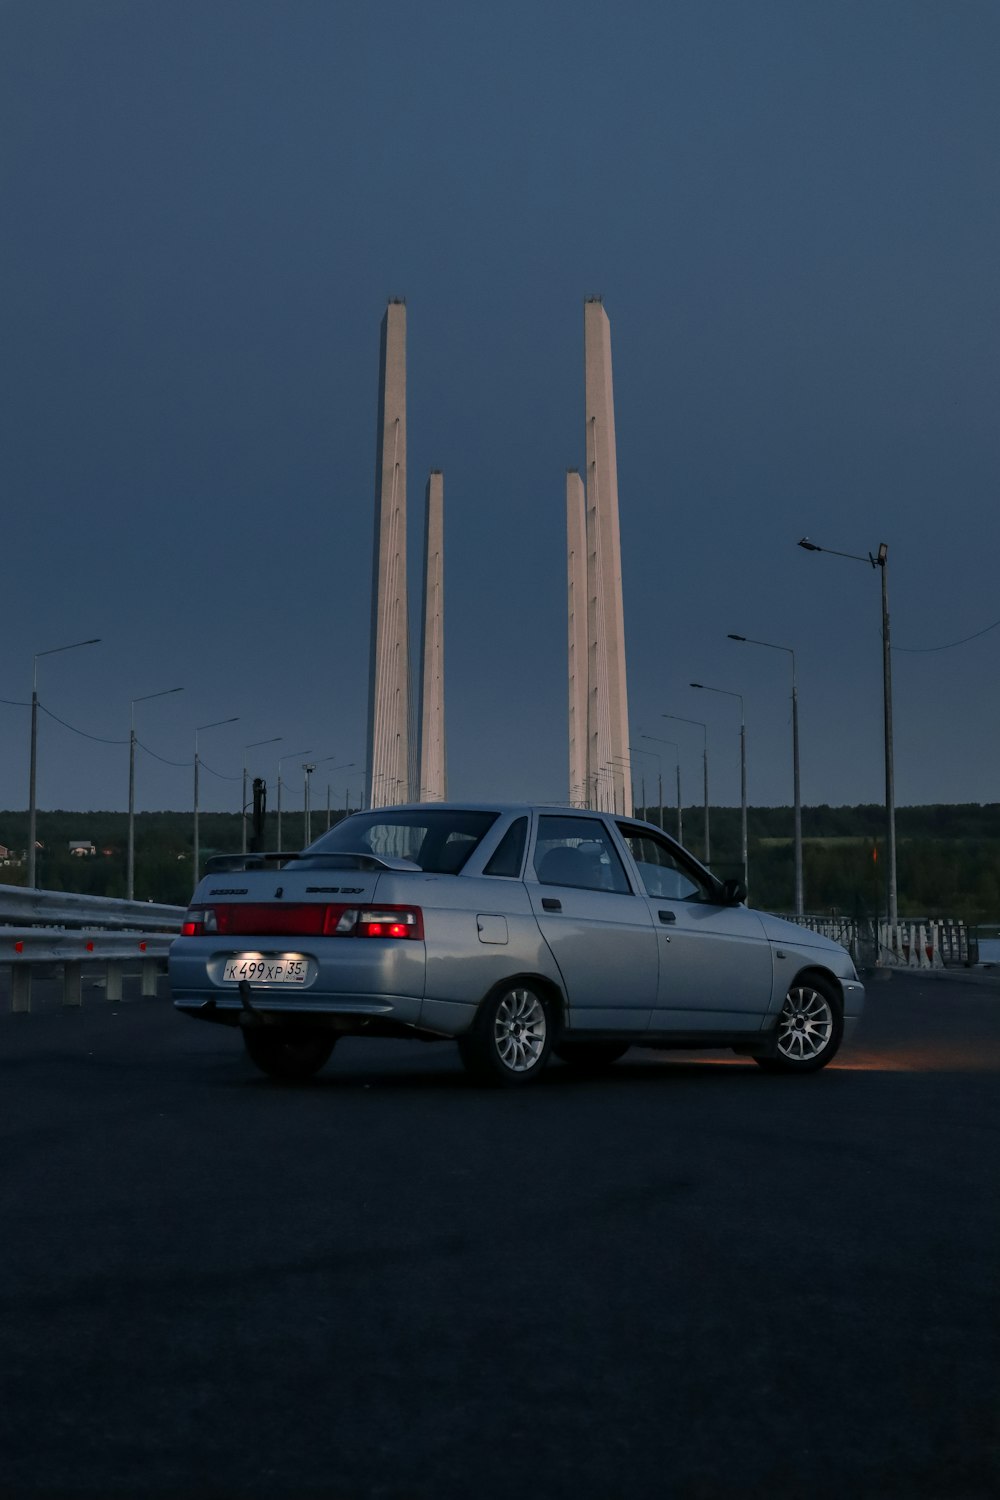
[361, 1010]
[361, 979]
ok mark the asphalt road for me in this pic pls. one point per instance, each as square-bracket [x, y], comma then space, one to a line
[686, 1279]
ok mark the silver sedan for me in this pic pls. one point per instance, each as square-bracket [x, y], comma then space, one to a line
[518, 931]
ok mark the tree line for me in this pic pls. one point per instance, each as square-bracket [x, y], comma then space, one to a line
[948, 855]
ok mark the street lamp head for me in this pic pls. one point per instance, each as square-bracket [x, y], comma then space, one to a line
[216, 722]
[882, 554]
[733, 637]
[696, 684]
[54, 650]
[809, 546]
[293, 755]
[163, 693]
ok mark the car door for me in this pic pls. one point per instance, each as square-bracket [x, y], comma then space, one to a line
[599, 929]
[716, 970]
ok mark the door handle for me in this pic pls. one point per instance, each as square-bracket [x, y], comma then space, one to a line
[667, 916]
[551, 903]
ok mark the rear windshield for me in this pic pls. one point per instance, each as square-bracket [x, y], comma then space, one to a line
[439, 841]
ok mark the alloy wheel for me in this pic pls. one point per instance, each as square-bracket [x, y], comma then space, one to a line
[806, 1024]
[519, 1030]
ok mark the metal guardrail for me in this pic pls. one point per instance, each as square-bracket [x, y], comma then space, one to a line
[60, 927]
[30, 906]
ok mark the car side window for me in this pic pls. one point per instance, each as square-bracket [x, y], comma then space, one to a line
[507, 856]
[662, 874]
[578, 852]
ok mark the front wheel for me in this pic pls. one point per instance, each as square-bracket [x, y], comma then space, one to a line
[510, 1039]
[286, 1052]
[809, 1029]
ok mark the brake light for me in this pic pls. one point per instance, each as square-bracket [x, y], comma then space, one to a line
[200, 919]
[391, 921]
[302, 919]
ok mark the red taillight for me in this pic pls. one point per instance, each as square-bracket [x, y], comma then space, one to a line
[391, 921]
[291, 919]
[200, 919]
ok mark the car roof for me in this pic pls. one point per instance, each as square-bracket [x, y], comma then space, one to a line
[504, 808]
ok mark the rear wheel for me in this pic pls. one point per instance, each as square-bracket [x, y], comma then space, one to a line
[287, 1052]
[591, 1057]
[510, 1039]
[809, 1029]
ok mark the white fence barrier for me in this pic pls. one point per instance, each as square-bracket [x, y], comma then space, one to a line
[928, 943]
[59, 927]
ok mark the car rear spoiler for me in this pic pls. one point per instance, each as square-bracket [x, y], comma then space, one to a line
[277, 859]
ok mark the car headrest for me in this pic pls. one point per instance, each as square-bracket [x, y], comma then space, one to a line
[566, 866]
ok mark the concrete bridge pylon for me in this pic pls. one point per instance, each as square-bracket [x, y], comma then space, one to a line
[388, 749]
[607, 775]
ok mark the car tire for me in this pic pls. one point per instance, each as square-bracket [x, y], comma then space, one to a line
[288, 1053]
[510, 1040]
[809, 1029]
[590, 1057]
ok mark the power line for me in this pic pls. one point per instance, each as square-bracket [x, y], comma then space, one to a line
[221, 774]
[950, 644]
[166, 762]
[98, 737]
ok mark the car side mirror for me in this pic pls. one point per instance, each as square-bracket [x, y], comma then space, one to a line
[733, 892]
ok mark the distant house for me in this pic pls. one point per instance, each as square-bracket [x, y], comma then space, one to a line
[81, 847]
[7, 856]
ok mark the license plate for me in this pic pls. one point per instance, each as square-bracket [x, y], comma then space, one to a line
[257, 970]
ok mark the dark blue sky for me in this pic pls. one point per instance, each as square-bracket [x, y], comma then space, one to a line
[791, 210]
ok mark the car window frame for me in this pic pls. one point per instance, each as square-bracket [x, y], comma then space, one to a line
[590, 816]
[702, 876]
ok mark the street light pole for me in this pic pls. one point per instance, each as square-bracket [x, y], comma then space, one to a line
[347, 792]
[130, 861]
[796, 787]
[273, 740]
[289, 756]
[307, 771]
[345, 765]
[679, 720]
[33, 766]
[657, 739]
[638, 750]
[197, 850]
[743, 772]
[890, 780]
[880, 560]
[616, 763]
